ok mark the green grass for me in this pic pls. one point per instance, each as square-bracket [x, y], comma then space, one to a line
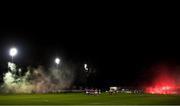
[82, 99]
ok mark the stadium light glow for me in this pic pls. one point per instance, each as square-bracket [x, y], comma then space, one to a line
[13, 52]
[57, 61]
[85, 67]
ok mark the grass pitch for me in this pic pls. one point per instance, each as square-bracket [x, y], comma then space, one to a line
[82, 99]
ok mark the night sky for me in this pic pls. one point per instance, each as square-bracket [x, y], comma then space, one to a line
[121, 46]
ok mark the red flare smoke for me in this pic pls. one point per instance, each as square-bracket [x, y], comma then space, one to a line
[164, 83]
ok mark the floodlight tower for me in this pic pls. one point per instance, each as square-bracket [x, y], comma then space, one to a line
[13, 52]
[86, 67]
[57, 61]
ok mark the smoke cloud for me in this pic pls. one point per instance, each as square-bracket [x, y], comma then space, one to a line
[165, 80]
[37, 80]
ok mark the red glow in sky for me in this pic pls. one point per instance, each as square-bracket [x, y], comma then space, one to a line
[163, 83]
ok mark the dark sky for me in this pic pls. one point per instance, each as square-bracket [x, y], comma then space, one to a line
[121, 45]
